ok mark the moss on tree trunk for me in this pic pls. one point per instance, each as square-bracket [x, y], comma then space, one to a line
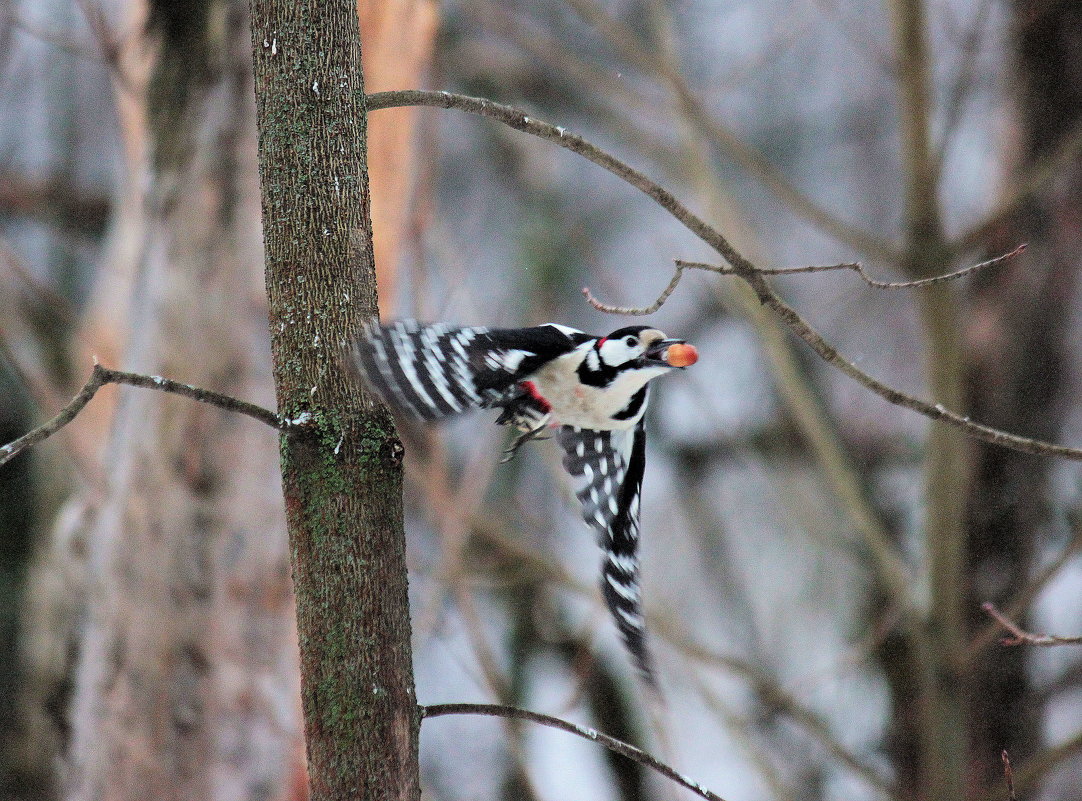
[342, 484]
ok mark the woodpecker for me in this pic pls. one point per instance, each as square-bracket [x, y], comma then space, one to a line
[591, 390]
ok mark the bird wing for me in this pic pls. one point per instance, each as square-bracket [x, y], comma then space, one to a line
[608, 468]
[433, 371]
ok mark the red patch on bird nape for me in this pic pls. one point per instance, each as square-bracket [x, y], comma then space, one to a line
[531, 388]
[601, 342]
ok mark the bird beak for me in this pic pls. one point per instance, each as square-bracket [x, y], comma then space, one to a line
[656, 354]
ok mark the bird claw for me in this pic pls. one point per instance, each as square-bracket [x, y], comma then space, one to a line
[520, 440]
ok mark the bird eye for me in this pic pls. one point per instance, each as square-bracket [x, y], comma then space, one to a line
[631, 342]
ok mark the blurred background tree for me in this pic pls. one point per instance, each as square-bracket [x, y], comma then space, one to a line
[814, 558]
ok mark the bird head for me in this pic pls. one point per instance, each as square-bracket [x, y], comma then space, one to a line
[642, 346]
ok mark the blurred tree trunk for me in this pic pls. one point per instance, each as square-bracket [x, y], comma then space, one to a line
[186, 685]
[343, 482]
[1019, 338]
[929, 689]
[398, 38]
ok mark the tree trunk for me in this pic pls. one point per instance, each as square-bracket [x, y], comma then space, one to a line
[342, 482]
[1020, 338]
[931, 653]
[398, 39]
[187, 660]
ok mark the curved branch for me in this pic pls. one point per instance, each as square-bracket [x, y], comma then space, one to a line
[740, 266]
[1020, 636]
[103, 375]
[521, 121]
[65, 416]
[614, 745]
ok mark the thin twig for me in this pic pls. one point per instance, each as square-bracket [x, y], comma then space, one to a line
[103, 375]
[1041, 765]
[720, 269]
[859, 270]
[1022, 599]
[1008, 774]
[1019, 636]
[742, 267]
[617, 746]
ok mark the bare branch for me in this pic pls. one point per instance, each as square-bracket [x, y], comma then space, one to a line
[230, 404]
[1043, 764]
[1021, 637]
[1024, 597]
[617, 746]
[720, 269]
[522, 121]
[859, 270]
[741, 266]
[665, 293]
[1008, 774]
[103, 375]
[66, 415]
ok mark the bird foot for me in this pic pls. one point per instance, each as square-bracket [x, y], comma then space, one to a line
[522, 439]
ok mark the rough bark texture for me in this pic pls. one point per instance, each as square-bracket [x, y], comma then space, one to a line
[1020, 340]
[342, 483]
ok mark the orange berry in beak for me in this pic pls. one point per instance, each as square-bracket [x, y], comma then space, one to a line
[681, 355]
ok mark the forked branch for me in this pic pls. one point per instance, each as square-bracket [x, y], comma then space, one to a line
[614, 745]
[1020, 636]
[1008, 775]
[738, 264]
[856, 267]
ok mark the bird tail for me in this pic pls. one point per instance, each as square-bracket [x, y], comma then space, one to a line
[620, 588]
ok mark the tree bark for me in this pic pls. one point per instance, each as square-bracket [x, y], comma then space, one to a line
[342, 482]
[1020, 340]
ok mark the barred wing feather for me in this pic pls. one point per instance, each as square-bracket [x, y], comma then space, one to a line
[608, 468]
[433, 371]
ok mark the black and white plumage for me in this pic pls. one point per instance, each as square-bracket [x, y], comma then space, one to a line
[593, 390]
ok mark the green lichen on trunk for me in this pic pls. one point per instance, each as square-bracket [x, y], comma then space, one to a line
[342, 478]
